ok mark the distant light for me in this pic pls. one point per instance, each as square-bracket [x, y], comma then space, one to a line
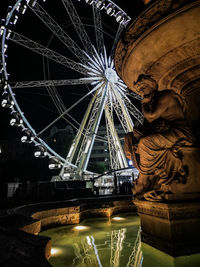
[81, 228]
[130, 163]
[118, 219]
[55, 251]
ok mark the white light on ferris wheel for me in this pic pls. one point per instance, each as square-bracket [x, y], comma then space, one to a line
[70, 151]
[110, 10]
[2, 30]
[100, 4]
[87, 146]
[17, 122]
[7, 103]
[54, 164]
[40, 151]
[119, 17]
[31, 2]
[90, 2]
[27, 137]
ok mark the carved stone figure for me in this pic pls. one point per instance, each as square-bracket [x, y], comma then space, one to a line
[163, 148]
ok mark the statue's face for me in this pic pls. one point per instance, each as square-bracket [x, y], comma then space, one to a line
[146, 91]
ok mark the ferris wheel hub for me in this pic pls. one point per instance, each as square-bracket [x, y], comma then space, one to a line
[111, 75]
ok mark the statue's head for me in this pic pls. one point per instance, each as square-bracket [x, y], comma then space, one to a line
[145, 85]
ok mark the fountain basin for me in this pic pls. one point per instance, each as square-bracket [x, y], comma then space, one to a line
[22, 224]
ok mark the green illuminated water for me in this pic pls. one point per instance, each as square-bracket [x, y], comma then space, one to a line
[104, 242]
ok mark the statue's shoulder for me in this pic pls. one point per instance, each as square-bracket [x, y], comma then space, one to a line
[167, 94]
[170, 97]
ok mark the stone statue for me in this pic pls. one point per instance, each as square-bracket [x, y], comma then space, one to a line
[163, 148]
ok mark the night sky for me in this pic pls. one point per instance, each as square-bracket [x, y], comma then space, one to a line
[23, 66]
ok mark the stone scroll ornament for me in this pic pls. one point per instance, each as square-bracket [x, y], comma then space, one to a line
[163, 148]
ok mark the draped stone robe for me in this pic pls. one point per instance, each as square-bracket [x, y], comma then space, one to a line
[157, 151]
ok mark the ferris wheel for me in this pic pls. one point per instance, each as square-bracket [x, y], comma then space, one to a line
[61, 61]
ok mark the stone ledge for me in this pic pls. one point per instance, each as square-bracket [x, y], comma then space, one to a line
[169, 211]
[52, 214]
[170, 227]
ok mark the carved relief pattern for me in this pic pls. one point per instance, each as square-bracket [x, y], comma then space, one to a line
[179, 60]
[147, 19]
[168, 211]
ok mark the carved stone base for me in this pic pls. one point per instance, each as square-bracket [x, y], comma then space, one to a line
[170, 227]
[156, 258]
[191, 161]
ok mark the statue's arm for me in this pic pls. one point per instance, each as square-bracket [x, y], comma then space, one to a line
[155, 110]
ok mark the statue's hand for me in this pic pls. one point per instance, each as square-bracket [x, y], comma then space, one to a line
[147, 106]
[161, 126]
[137, 134]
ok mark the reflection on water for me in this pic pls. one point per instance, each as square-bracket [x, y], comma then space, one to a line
[109, 242]
[101, 242]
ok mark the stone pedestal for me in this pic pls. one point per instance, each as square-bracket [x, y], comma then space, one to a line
[170, 227]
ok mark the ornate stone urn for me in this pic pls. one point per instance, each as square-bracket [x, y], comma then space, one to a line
[164, 44]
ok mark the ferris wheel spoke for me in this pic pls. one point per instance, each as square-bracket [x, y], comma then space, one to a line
[98, 29]
[67, 110]
[44, 83]
[134, 95]
[59, 32]
[44, 51]
[99, 60]
[57, 100]
[78, 25]
[134, 111]
[119, 31]
[117, 156]
[124, 117]
[129, 92]
[121, 110]
[112, 151]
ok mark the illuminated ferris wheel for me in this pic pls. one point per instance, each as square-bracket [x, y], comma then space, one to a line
[64, 71]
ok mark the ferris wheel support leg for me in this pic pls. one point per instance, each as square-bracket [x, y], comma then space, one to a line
[122, 113]
[90, 139]
[119, 158]
[80, 133]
